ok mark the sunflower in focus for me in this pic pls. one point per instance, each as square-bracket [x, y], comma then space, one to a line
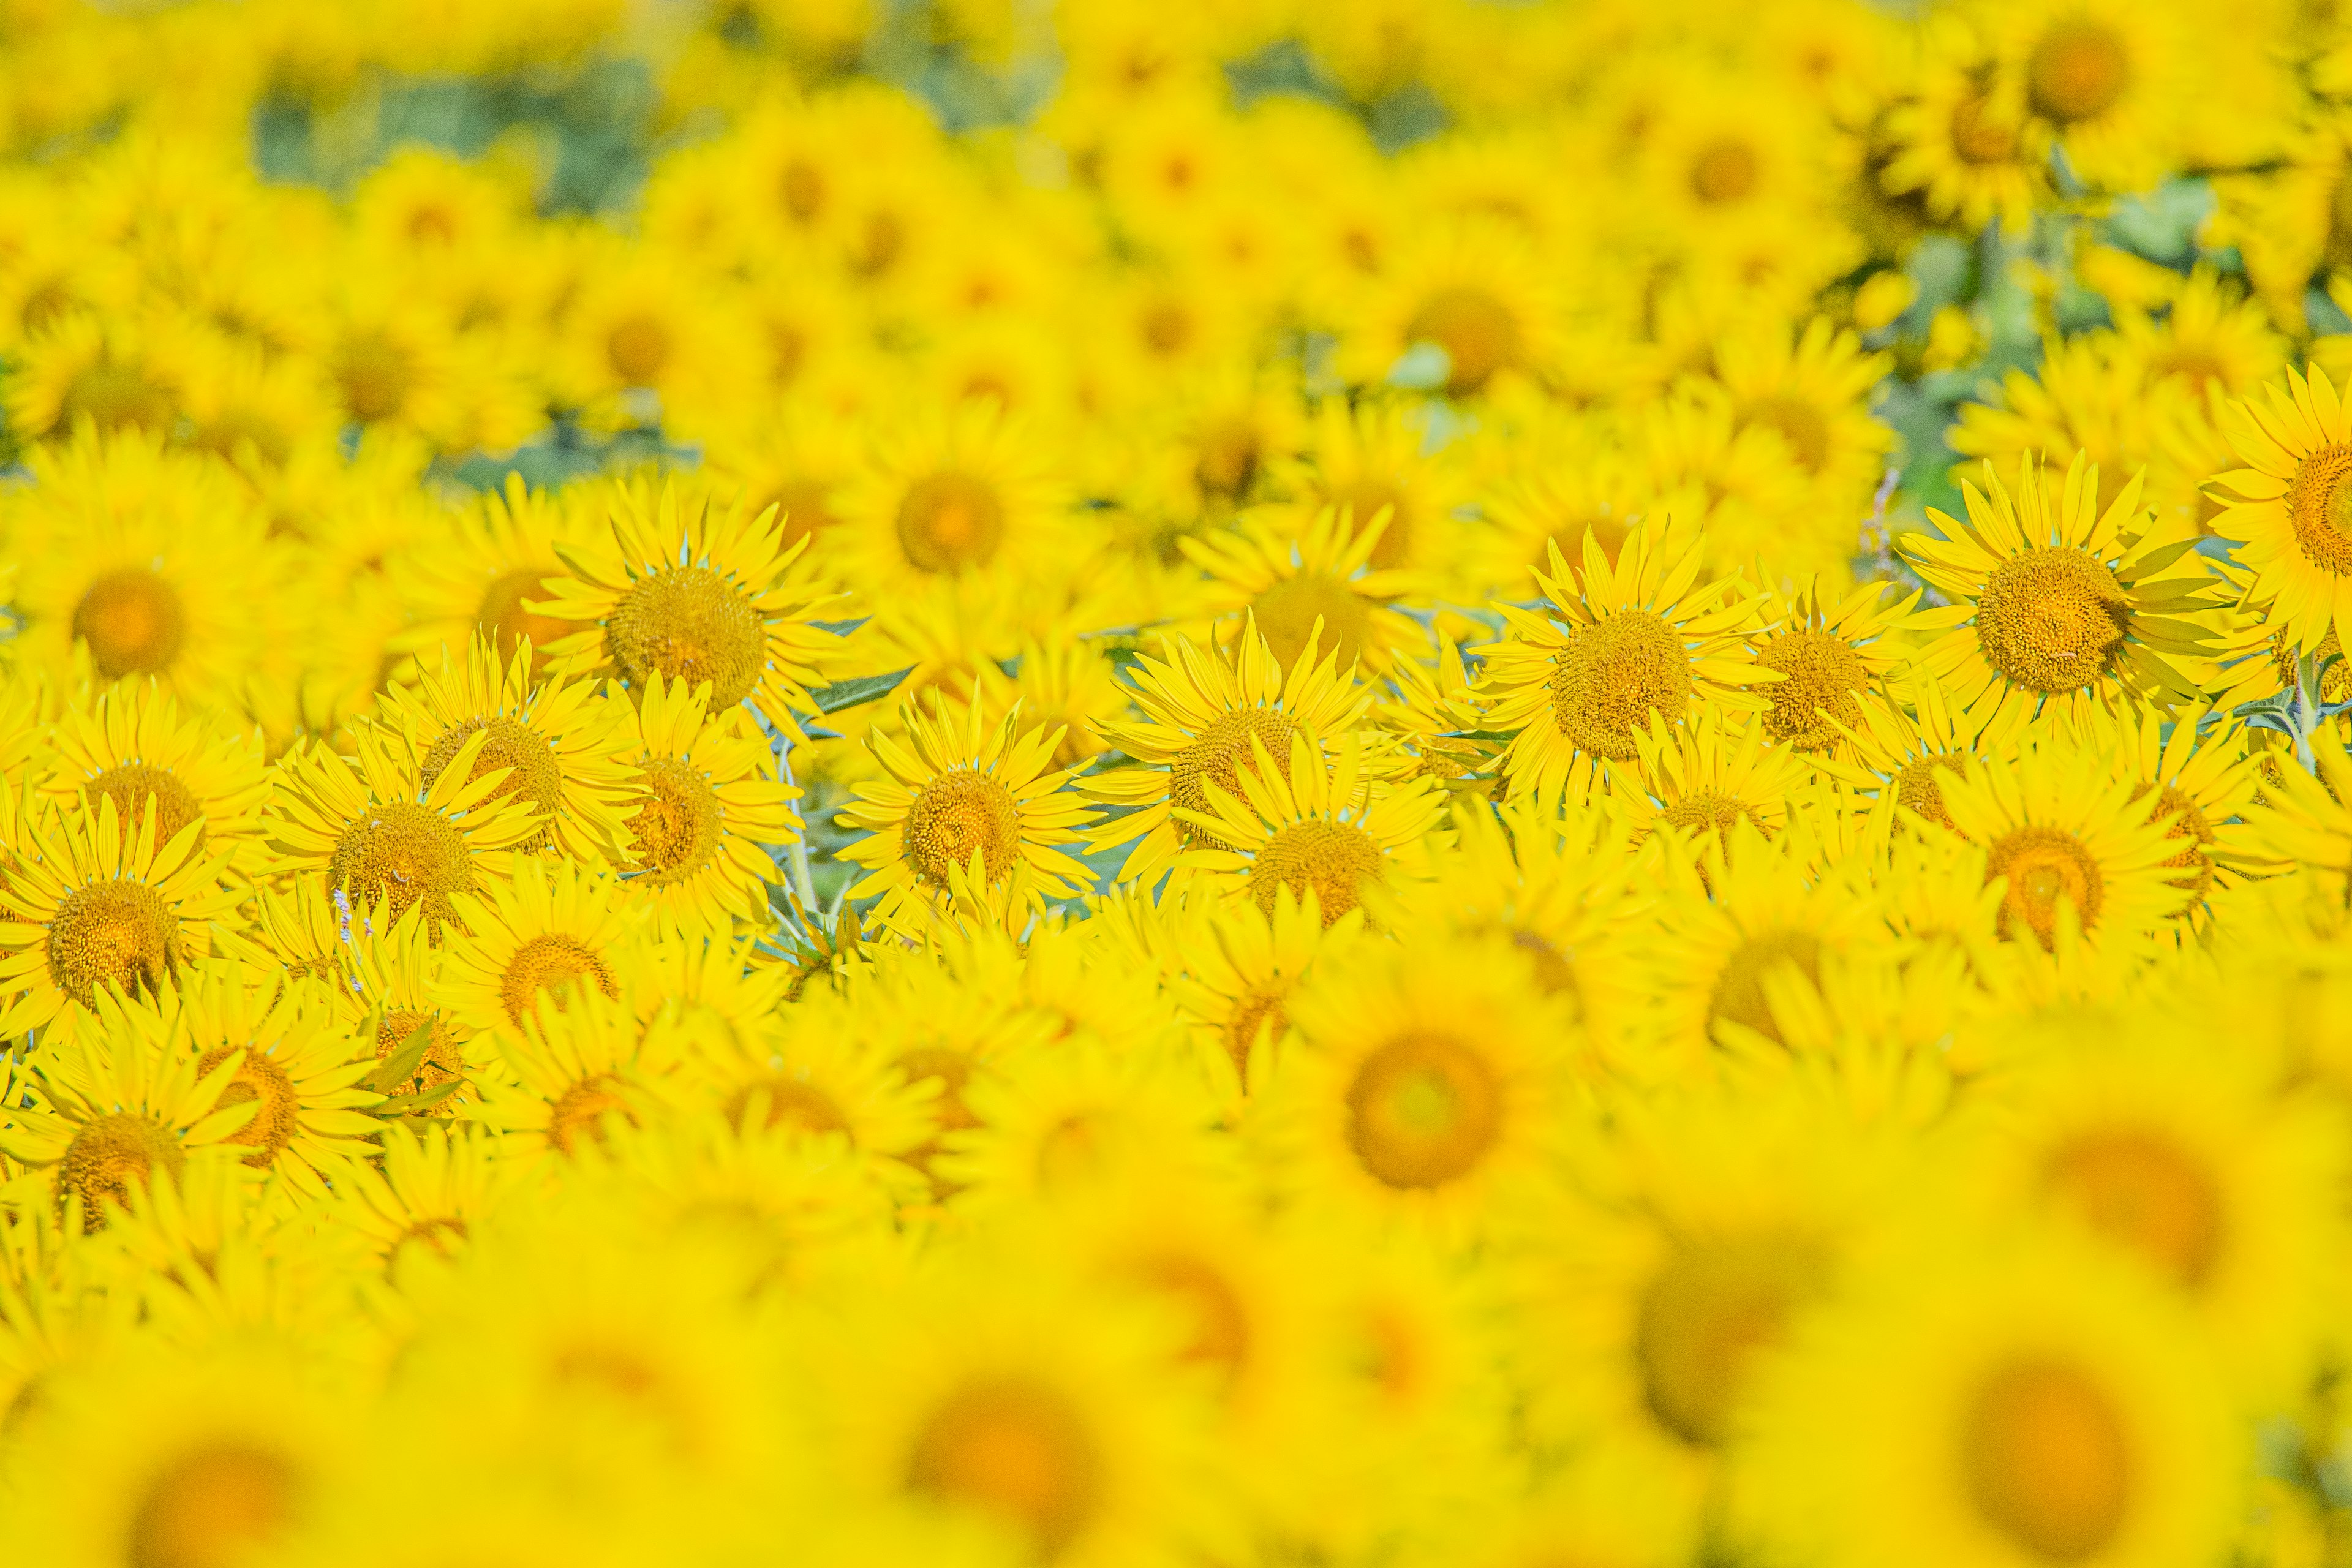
[132, 743]
[1617, 643]
[2284, 507]
[694, 592]
[2057, 605]
[708, 812]
[1200, 709]
[982, 803]
[1831, 654]
[543, 932]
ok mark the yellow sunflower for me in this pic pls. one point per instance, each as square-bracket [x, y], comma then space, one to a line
[2203, 781]
[1236, 966]
[381, 833]
[2114, 82]
[542, 932]
[1473, 290]
[132, 743]
[1382, 458]
[694, 591]
[1200, 707]
[1286, 585]
[2061, 829]
[560, 745]
[1811, 388]
[1964, 150]
[708, 812]
[1701, 776]
[146, 562]
[1829, 653]
[1615, 644]
[294, 1059]
[1909, 750]
[979, 803]
[105, 1117]
[2058, 605]
[579, 1074]
[483, 569]
[2284, 506]
[1319, 827]
[98, 906]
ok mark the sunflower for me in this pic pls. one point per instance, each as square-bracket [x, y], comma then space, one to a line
[381, 833]
[1615, 644]
[1319, 828]
[1471, 289]
[982, 803]
[105, 1116]
[130, 743]
[1701, 776]
[293, 1060]
[1988, 1403]
[1908, 751]
[956, 496]
[1586, 483]
[1962, 147]
[541, 933]
[1428, 1082]
[146, 562]
[2282, 506]
[1287, 585]
[2114, 81]
[560, 744]
[389, 985]
[1233, 968]
[2202, 781]
[480, 570]
[432, 1185]
[814, 1077]
[2058, 605]
[579, 1073]
[1830, 654]
[2063, 831]
[99, 907]
[709, 813]
[1812, 388]
[695, 593]
[1200, 707]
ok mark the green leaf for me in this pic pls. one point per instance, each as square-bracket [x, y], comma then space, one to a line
[421, 1100]
[401, 1066]
[866, 689]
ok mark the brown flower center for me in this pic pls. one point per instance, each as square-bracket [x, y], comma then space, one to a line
[1824, 677]
[1016, 1449]
[519, 751]
[2144, 1191]
[404, 854]
[1288, 608]
[131, 785]
[1331, 859]
[133, 622]
[1612, 676]
[1424, 1110]
[677, 822]
[118, 932]
[212, 1508]
[2046, 1460]
[2078, 71]
[1739, 996]
[2319, 508]
[637, 348]
[503, 613]
[1978, 136]
[690, 623]
[1704, 1314]
[1478, 333]
[260, 1077]
[444, 1060]
[962, 812]
[1916, 787]
[1724, 172]
[950, 522]
[2052, 619]
[580, 1112]
[1218, 757]
[2046, 867]
[109, 1156]
[549, 965]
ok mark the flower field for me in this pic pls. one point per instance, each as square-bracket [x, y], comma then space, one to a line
[1426, 783]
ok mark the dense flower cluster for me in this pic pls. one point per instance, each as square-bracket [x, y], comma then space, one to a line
[933, 780]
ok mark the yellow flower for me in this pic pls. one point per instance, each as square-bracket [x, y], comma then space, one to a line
[1616, 644]
[981, 805]
[697, 593]
[1287, 585]
[708, 812]
[542, 935]
[2059, 607]
[130, 743]
[2297, 443]
[1830, 654]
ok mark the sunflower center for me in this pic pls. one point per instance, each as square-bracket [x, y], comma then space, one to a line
[1703, 1317]
[2046, 1460]
[2077, 70]
[549, 965]
[637, 348]
[2051, 619]
[503, 615]
[1423, 1110]
[1612, 676]
[790, 1103]
[1330, 859]
[580, 1112]
[1015, 1448]
[1221, 1335]
[112, 1154]
[2319, 506]
[676, 822]
[1739, 996]
[1978, 136]
[1916, 787]
[1288, 608]
[133, 622]
[2046, 867]
[444, 1060]
[1260, 1014]
[376, 377]
[1823, 675]
[1230, 451]
[1799, 423]
[2190, 822]
[1478, 333]
[2145, 1191]
[402, 853]
[261, 1077]
[950, 522]
[690, 623]
[114, 395]
[519, 751]
[133, 784]
[962, 812]
[118, 932]
[212, 1508]
[1724, 172]
[1220, 754]
[1711, 812]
